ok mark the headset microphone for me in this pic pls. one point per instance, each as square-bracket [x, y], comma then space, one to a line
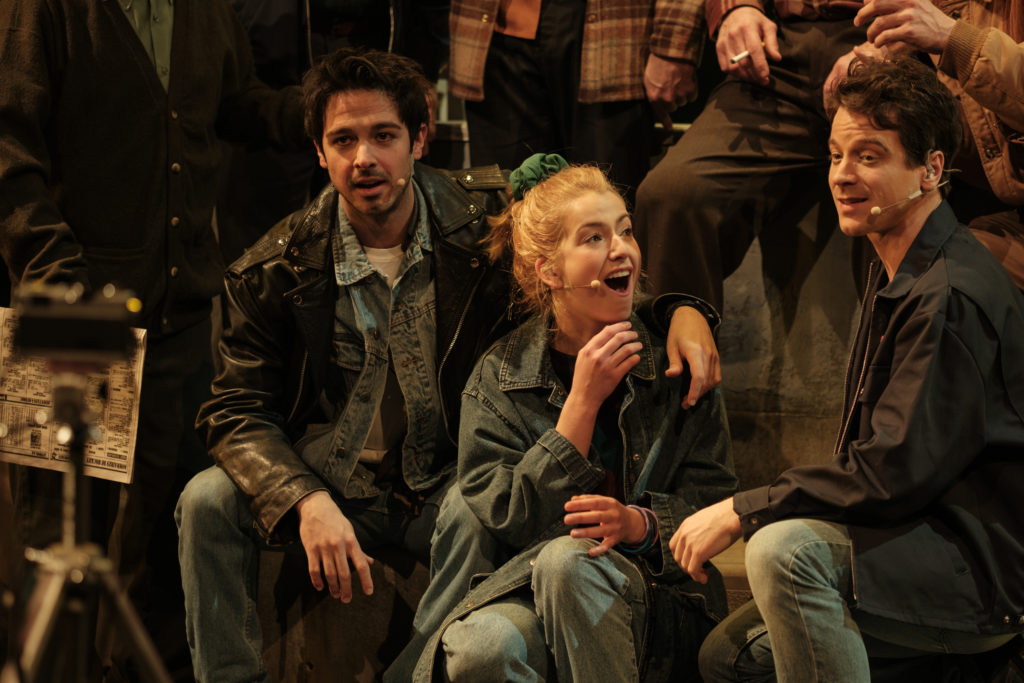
[877, 210]
[594, 284]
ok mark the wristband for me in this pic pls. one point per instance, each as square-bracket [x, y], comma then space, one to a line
[651, 533]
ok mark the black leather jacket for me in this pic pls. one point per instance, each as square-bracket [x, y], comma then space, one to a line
[278, 325]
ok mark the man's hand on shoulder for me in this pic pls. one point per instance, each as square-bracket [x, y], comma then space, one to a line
[331, 545]
[690, 339]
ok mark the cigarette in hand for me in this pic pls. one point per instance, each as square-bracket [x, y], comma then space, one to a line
[737, 58]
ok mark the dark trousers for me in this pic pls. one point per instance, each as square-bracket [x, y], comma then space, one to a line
[530, 105]
[754, 161]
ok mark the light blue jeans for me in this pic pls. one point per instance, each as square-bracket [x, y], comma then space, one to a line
[589, 613]
[799, 627]
[218, 549]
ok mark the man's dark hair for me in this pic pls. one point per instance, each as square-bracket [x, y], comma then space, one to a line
[906, 96]
[398, 78]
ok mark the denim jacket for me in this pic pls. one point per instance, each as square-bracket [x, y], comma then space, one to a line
[516, 472]
[377, 325]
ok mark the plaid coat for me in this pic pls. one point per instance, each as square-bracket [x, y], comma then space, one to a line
[617, 38]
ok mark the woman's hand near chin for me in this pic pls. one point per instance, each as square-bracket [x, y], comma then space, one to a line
[600, 366]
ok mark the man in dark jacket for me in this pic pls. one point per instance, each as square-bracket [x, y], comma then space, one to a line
[111, 119]
[350, 329]
[911, 539]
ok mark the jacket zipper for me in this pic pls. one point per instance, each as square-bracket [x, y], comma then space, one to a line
[447, 353]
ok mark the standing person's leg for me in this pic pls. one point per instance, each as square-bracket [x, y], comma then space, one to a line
[755, 159]
[168, 452]
[530, 91]
[515, 119]
[618, 136]
[593, 609]
[615, 135]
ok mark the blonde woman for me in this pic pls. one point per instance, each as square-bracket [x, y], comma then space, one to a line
[575, 453]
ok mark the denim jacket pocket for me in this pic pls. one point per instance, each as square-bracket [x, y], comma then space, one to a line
[349, 352]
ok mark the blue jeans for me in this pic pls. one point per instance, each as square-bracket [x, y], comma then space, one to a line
[799, 626]
[460, 548]
[218, 549]
[589, 612]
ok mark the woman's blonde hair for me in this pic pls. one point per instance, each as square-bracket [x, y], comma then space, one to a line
[533, 228]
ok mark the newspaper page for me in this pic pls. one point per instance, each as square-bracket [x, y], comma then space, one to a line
[29, 434]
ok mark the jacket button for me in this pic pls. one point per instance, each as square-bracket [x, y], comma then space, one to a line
[474, 262]
[468, 178]
[470, 604]
[1020, 620]
[297, 299]
[991, 152]
[294, 251]
[174, 271]
[175, 168]
[755, 521]
[636, 456]
[175, 221]
[592, 17]
[281, 241]
[485, 18]
[533, 562]
[1007, 619]
[472, 208]
[174, 114]
[955, 14]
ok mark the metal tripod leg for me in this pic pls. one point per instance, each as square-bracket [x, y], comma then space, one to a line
[83, 569]
[130, 624]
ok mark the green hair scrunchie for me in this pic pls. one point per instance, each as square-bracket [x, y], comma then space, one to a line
[533, 170]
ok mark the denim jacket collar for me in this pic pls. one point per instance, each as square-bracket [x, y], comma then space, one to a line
[350, 261]
[527, 363]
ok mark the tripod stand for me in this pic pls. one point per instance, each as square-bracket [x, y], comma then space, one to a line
[72, 576]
